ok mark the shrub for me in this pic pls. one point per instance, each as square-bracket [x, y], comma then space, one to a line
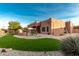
[33, 32]
[25, 29]
[70, 46]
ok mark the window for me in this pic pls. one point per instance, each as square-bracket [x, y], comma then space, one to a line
[65, 30]
[43, 29]
[47, 29]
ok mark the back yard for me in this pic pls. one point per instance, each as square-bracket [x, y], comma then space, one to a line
[41, 44]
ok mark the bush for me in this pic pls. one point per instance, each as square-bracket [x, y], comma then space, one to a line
[33, 32]
[25, 29]
[70, 46]
[12, 32]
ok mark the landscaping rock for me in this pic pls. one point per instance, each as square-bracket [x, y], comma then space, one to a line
[30, 53]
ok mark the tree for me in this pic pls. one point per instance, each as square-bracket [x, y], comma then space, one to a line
[25, 29]
[33, 31]
[14, 26]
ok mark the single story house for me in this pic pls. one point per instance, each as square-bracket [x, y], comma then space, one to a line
[53, 26]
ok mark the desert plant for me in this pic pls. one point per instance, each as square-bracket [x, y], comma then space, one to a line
[70, 46]
[33, 31]
[25, 29]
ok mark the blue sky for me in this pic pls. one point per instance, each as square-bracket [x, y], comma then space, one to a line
[27, 13]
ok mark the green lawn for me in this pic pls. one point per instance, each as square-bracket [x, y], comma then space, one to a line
[43, 44]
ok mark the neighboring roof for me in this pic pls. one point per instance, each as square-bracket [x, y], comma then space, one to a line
[34, 24]
[76, 27]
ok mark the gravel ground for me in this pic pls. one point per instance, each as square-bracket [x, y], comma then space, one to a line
[30, 53]
[37, 36]
[49, 36]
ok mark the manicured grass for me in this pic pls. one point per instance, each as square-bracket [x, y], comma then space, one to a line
[43, 44]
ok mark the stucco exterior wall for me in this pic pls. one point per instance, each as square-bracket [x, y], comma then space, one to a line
[2, 32]
[75, 30]
[69, 27]
[57, 24]
[58, 31]
[56, 27]
[46, 23]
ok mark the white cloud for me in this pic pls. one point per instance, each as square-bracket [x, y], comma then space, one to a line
[74, 20]
[4, 22]
[24, 25]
